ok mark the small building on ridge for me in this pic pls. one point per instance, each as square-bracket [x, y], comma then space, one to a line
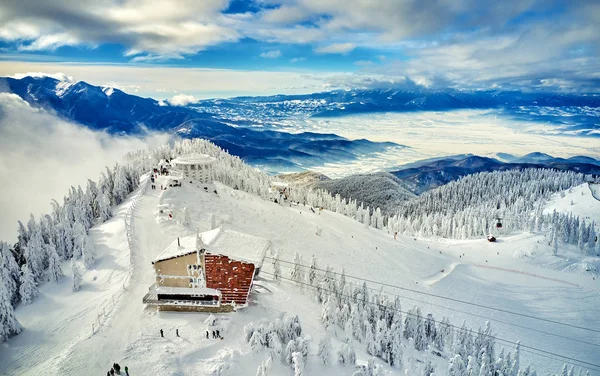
[197, 167]
[212, 271]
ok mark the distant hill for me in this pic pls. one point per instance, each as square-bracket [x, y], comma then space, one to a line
[378, 190]
[304, 179]
[423, 176]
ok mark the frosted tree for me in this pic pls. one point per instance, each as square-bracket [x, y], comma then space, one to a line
[54, 267]
[276, 267]
[88, 251]
[396, 346]
[428, 368]
[456, 366]
[297, 273]
[28, 286]
[103, 206]
[290, 349]
[10, 273]
[77, 278]
[555, 244]
[591, 243]
[324, 350]
[256, 342]
[582, 235]
[121, 185]
[298, 363]
[9, 325]
[34, 253]
[312, 273]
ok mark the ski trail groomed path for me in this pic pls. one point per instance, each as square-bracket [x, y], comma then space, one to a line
[525, 273]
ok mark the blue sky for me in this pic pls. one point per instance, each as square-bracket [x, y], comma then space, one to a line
[291, 46]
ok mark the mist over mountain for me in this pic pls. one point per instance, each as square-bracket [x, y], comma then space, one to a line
[116, 112]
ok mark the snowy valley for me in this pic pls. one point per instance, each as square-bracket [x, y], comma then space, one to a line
[339, 293]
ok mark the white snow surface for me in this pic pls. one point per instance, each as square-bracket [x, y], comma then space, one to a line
[509, 275]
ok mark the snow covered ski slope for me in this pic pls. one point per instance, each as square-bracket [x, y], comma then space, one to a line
[461, 280]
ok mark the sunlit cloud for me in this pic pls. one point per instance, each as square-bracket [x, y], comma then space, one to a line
[39, 150]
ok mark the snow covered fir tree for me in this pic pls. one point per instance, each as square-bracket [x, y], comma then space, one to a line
[362, 329]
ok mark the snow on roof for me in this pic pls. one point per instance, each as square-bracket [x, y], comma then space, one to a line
[193, 159]
[233, 244]
[186, 246]
[236, 245]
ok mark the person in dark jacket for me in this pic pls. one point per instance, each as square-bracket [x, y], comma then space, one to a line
[177, 332]
[161, 333]
[218, 334]
[207, 334]
[126, 371]
[117, 368]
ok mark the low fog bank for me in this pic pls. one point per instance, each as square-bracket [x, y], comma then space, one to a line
[41, 156]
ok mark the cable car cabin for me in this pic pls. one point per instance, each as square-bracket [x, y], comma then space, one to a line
[491, 238]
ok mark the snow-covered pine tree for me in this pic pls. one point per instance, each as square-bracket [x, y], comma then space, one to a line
[298, 364]
[9, 325]
[28, 286]
[256, 342]
[276, 267]
[555, 244]
[77, 278]
[11, 274]
[290, 349]
[324, 350]
[88, 251]
[54, 268]
[297, 273]
[456, 366]
[312, 273]
[103, 207]
[34, 253]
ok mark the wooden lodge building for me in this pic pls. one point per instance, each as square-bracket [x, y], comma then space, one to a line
[212, 271]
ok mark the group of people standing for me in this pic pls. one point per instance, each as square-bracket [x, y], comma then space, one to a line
[215, 333]
[116, 369]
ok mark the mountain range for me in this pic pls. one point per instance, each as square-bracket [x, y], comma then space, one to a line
[421, 176]
[116, 112]
[576, 113]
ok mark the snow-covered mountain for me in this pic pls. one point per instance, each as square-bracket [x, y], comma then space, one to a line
[114, 111]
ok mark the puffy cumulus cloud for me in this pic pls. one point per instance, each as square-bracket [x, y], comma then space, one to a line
[559, 58]
[41, 156]
[271, 54]
[182, 100]
[154, 27]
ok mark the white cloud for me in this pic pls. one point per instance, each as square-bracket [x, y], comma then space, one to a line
[336, 48]
[56, 76]
[150, 27]
[182, 100]
[42, 156]
[161, 82]
[297, 59]
[271, 54]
